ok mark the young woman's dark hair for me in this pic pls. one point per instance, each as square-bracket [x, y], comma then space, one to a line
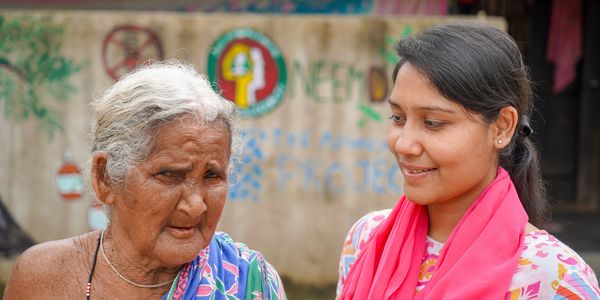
[481, 68]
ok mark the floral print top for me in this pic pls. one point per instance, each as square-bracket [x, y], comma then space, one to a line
[548, 269]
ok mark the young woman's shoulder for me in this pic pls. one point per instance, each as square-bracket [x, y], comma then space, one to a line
[551, 268]
[362, 229]
[47, 270]
[355, 241]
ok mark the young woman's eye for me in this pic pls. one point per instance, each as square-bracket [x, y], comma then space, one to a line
[398, 119]
[432, 124]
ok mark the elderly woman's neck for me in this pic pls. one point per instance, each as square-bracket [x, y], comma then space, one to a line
[132, 264]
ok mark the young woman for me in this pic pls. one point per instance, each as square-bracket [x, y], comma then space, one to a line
[465, 227]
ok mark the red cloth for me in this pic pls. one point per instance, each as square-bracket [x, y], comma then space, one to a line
[477, 261]
[564, 41]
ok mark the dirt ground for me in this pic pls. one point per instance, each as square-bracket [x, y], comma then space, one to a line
[302, 292]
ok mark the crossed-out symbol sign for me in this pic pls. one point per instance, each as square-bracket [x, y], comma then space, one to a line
[128, 46]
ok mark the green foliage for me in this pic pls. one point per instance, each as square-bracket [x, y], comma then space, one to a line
[33, 71]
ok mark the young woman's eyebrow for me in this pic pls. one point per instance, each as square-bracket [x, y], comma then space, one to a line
[436, 108]
[392, 103]
[425, 108]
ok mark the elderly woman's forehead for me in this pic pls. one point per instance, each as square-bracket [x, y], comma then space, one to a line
[190, 123]
[205, 133]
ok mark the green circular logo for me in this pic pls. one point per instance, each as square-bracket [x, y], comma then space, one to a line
[249, 69]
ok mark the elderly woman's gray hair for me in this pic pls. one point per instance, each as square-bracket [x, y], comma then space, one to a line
[128, 115]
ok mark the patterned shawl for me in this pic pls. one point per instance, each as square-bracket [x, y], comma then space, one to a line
[227, 270]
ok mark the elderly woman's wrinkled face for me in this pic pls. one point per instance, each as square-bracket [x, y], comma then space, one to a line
[171, 203]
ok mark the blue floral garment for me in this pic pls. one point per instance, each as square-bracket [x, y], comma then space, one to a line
[227, 270]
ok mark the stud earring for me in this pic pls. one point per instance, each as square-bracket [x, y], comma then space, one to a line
[499, 142]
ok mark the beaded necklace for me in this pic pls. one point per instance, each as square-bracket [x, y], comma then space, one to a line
[88, 287]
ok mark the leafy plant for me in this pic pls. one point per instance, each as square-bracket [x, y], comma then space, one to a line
[33, 71]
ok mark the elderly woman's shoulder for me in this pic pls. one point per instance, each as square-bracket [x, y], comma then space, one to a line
[227, 244]
[50, 267]
[239, 254]
[254, 264]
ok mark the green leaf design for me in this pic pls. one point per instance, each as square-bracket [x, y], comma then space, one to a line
[33, 72]
[368, 113]
[220, 285]
[255, 279]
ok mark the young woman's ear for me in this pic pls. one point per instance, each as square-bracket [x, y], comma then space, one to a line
[505, 126]
[100, 181]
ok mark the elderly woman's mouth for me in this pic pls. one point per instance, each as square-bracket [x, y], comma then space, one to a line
[182, 232]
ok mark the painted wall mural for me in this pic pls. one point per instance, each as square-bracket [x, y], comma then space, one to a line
[375, 175]
[33, 71]
[69, 181]
[249, 70]
[354, 7]
[284, 6]
[127, 46]
[312, 92]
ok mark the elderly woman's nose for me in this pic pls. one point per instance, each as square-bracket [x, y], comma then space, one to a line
[193, 202]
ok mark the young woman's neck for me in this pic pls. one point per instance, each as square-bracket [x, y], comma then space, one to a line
[444, 216]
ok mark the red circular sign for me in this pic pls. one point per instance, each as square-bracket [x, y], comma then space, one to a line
[127, 47]
[270, 70]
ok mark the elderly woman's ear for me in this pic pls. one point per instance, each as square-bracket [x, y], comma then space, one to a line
[100, 180]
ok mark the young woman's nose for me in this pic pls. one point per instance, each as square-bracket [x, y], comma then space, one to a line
[408, 142]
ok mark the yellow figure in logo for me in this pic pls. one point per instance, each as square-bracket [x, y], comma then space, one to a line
[246, 67]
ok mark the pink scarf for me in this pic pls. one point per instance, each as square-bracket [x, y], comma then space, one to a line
[477, 261]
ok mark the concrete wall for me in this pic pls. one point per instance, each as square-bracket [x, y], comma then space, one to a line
[316, 161]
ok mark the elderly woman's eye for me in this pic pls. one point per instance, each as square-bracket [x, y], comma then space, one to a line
[165, 173]
[169, 174]
[212, 174]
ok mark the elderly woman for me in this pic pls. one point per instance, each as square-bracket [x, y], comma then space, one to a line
[162, 142]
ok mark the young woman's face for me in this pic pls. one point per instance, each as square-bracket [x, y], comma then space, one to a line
[447, 156]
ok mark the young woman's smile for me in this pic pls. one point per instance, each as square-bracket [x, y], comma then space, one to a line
[414, 173]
